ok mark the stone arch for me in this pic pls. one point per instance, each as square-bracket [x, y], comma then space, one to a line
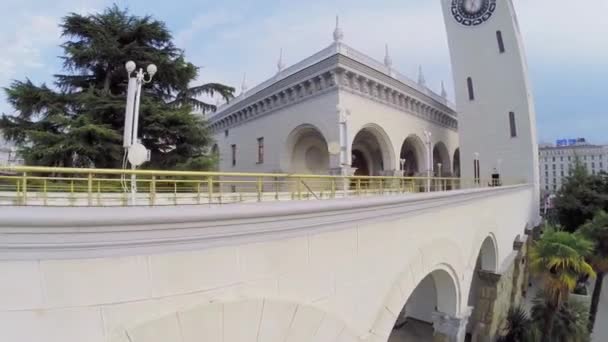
[307, 150]
[456, 163]
[256, 319]
[372, 152]
[485, 265]
[441, 156]
[413, 151]
[437, 293]
[442, 256]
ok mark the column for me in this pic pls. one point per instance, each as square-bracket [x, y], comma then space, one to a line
[449, 328]
[484, 314]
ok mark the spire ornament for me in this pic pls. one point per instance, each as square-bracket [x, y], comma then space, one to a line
[444, 93]
[388, 61]
[280, 65]
[421, 79]
[338, 34]
[244, 86]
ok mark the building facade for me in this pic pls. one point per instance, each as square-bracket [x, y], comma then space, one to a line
[338, 112]
[557, 162]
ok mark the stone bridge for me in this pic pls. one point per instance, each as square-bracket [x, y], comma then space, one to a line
[337, 270]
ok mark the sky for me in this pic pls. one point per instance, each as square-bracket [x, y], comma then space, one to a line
[566, 44]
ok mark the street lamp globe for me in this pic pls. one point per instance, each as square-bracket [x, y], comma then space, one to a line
[151, 69]
[130, 66]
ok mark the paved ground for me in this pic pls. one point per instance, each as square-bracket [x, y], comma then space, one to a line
[600, 332]
[413, 331]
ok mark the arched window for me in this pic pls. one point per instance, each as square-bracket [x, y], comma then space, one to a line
[471, 90]
[501, 43]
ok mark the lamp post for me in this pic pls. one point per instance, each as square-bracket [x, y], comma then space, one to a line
[429, 159]
[136, 152]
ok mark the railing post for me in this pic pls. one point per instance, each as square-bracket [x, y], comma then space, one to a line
[210, 189]
[24, 188]
[153, 191]
[381, 186]
[198, 192]
[90, 189]
[333, 188]
[44, 192]
[260, 189]
[175, 191]
[299, 187]
[358, 186]
[276, 188]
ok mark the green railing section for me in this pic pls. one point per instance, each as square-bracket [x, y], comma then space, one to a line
[49, 186]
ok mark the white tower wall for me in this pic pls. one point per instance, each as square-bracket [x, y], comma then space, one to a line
[501, 85]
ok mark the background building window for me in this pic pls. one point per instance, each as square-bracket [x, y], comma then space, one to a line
[471, 90]
[226, 133]
[501, 43]
[233, 155]
[512, 124]
[260, 150]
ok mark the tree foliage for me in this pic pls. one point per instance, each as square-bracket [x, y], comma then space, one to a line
[520, 327]
[80, 121]
[568, 322]
[559, 259]
[581, 196]
[596, 230]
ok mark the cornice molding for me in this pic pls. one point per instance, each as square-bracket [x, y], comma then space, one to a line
[28, 233]
[328, 75]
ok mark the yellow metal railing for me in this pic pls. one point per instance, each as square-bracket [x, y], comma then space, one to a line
[47, 186]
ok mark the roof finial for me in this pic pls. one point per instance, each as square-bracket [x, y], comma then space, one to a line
[244, 86]
[388, 61]
[280, 64]
[444, 93]
[338, 34]
[421, 79]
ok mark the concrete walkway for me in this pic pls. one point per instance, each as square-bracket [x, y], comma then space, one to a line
[600, 331]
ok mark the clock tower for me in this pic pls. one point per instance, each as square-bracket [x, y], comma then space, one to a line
[497, 121]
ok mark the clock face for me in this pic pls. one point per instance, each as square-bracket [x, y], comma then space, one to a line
[473, 12]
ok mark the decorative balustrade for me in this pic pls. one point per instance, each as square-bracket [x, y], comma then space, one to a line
[45, 186]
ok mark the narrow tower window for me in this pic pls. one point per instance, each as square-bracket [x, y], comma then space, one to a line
[260, 150]
[512, 124]
[501, 43]
[233, 155]
[471, 90]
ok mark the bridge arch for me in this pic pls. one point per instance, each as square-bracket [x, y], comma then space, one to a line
[307, 150]
[248, 319]
[372, 151]
[485, 264]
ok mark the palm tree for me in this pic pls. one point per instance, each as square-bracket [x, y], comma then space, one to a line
[569, 322]
[559, 259]
[596, 230]
[520, 327]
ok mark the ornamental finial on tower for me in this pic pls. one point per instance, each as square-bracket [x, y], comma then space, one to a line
[338, 34]
[388, 61]
[244, 86]
[444, 93]
[280, 65]
[421, 79]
